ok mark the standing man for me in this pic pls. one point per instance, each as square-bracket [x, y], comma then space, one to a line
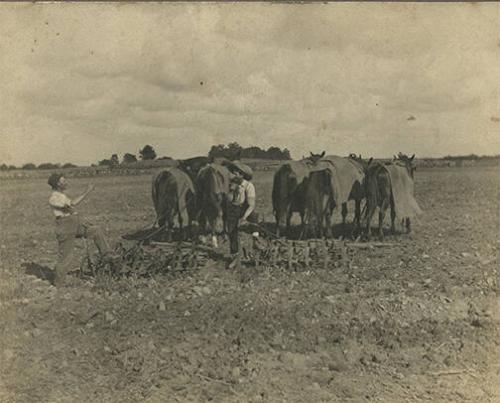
[240, 205]
[69, 226]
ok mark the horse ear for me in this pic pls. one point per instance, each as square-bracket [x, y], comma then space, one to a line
[312, 155]
[395, 158]
[413, 156]
[322, 154]
[370, 160]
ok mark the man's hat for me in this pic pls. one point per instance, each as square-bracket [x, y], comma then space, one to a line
[54, 180]
[244, 169]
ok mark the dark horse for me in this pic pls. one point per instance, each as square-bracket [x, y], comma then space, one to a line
[212, 187]
[333, 181]
[380, 193]
[289, 188]
[173, 196]
[319, 205]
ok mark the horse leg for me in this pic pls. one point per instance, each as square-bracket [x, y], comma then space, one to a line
[344, 215]
[317, 225]
[215, 242]
[276, 217]
[190, 228]
[161, 221]
[381, 216]
[170, 229]
[370, 210]
[302, 225]
[288, 220]
[408, 225]
[181, 227]
[393, 217]
[328, 224]
[357, 218]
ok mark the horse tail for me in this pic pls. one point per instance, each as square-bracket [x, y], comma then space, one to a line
[280, 194]
[156, 196]
[207, 195]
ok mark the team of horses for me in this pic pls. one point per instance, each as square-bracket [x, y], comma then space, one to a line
[196, 189]
[316, 185]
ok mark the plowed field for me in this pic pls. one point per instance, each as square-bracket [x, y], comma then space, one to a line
[416, 321]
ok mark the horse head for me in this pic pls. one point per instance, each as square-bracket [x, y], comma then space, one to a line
[407, 162]
[315, 157]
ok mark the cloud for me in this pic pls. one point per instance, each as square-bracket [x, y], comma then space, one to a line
[345, 77]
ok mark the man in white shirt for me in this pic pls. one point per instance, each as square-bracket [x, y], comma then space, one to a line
[240, 205]
[70, 226]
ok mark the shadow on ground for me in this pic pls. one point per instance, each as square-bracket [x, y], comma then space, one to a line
[42, 272]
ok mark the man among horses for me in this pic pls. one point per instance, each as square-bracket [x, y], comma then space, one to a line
[240, 205]
[69, 226]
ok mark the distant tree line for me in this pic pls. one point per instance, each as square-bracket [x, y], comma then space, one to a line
[147, 153]
[470, 157]
[234, 150]
[31, 166]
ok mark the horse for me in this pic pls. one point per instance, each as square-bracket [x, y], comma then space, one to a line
[390, 185]
[212, 185]
[173, 196]
[288, 194]
[332, 183]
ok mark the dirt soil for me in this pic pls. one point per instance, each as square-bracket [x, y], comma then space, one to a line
[417, 321]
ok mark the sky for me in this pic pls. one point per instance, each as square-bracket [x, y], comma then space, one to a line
[81, 81]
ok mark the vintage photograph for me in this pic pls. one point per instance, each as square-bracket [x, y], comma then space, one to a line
[249, 202]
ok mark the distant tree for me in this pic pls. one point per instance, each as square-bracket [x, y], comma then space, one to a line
[114, 160]
[12, 167]
[286, 154]
[231, 151]
[234, 150]
[4, 167]
[68, 165]
[217, 151]
[48, 165]
[29, 166]
[104, 163]
[273, 153]
[165, 158]
[129, 158]
[147, 153]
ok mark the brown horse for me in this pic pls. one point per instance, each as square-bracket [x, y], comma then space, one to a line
[288, 195]
[212, 186]
[390, 185]
[319, 205]
[173, 196]
[332, 183]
